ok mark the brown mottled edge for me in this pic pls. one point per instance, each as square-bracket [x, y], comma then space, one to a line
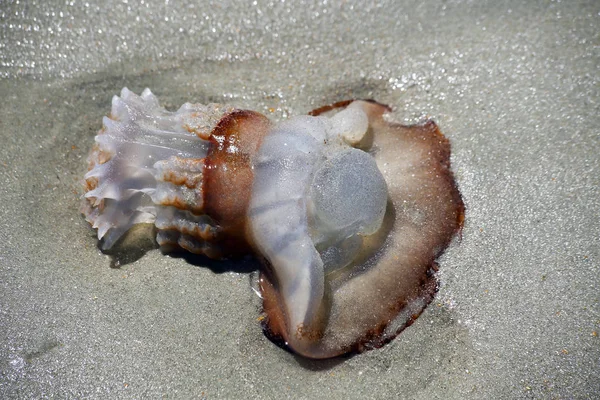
[343, 104]
[274, 323]
[429, 283]
[427, 124]
[228, 175]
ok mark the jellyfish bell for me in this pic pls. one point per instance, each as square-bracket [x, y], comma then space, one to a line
[347, 211]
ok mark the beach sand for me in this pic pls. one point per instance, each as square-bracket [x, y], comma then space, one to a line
[513, 85]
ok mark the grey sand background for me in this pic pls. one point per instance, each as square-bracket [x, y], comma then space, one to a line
[515, 87]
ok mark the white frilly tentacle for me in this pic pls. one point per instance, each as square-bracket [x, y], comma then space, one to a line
[141, 147]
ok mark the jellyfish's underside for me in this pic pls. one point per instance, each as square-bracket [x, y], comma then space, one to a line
[371, 301]
[346, 267]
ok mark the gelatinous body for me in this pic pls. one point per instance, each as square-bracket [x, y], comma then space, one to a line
[347, 211]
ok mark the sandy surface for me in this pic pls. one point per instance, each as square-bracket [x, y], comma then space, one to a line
[514, 85]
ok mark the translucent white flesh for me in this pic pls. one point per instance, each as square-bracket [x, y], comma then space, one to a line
[145, 143]
[314, 197]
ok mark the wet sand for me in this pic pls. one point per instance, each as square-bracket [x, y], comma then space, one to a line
[514, 86]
